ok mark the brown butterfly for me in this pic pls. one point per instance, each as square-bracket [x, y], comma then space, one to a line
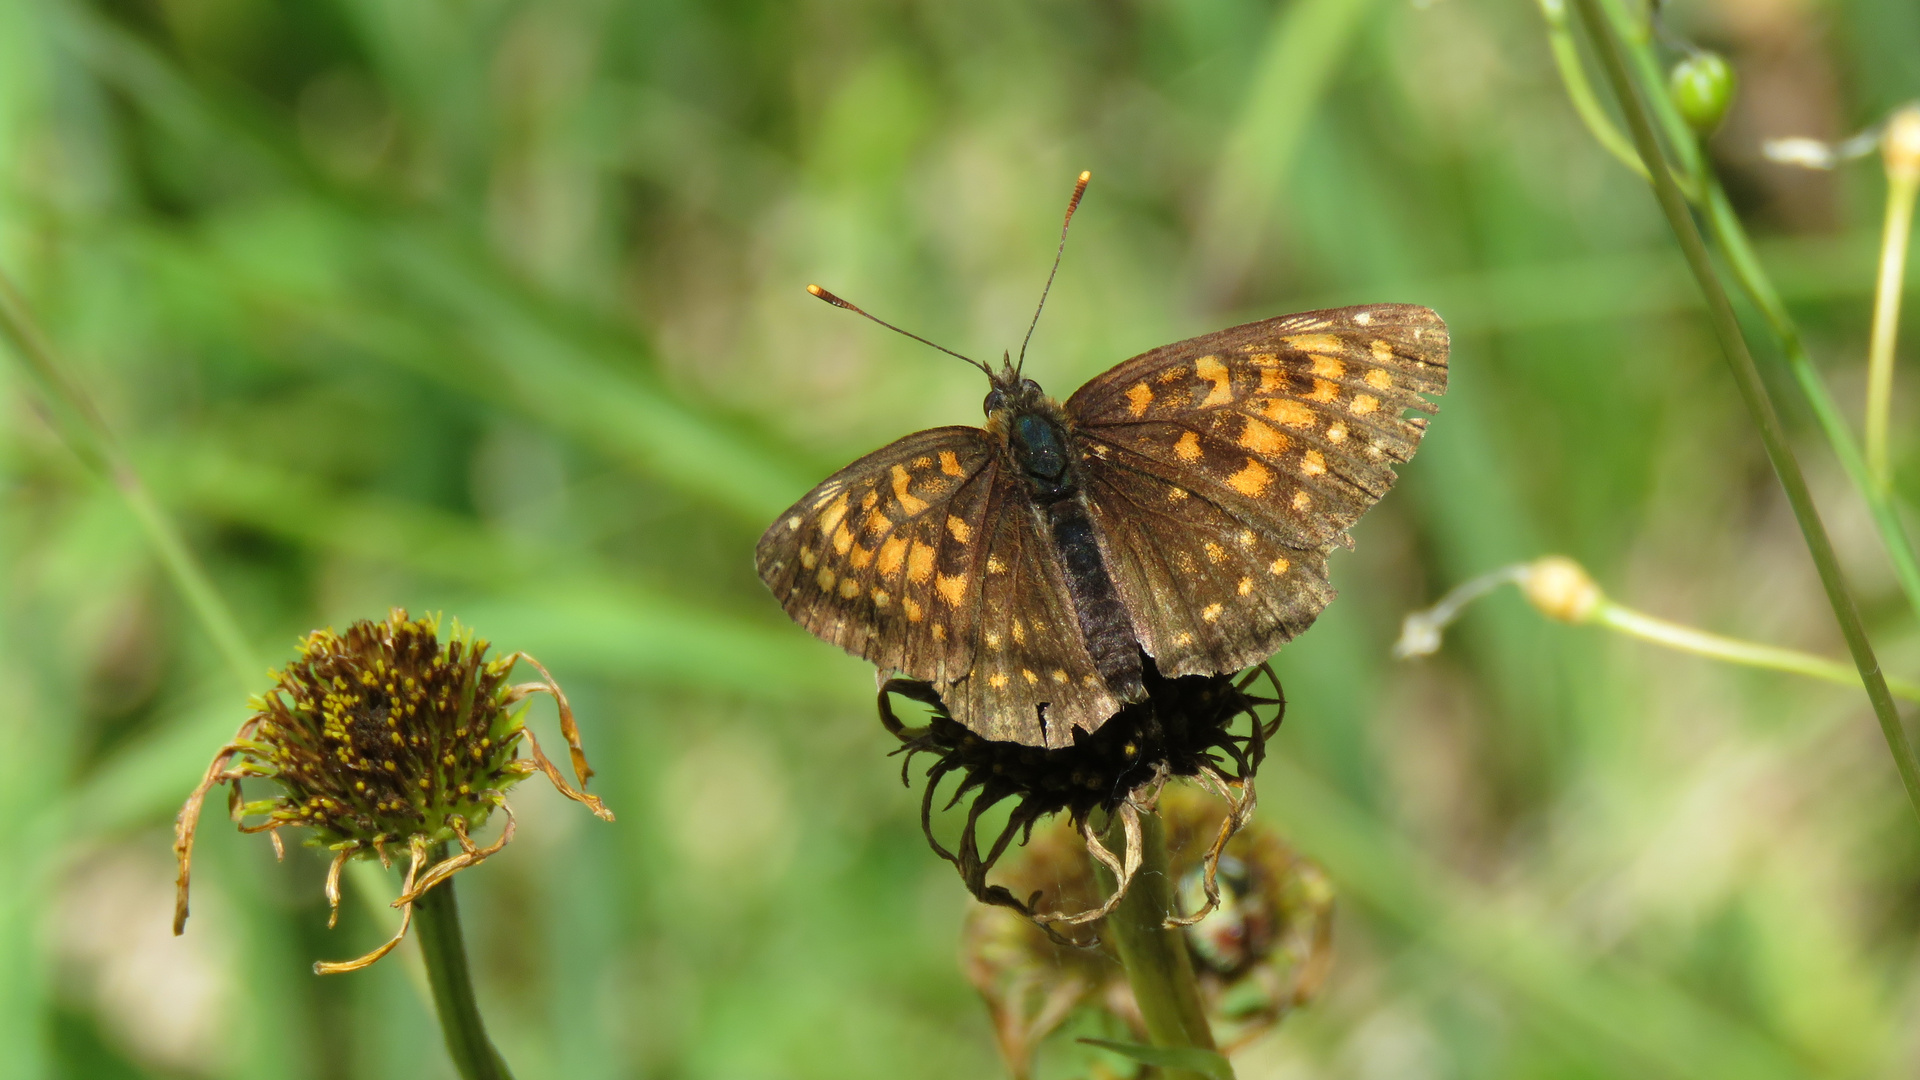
[1177, 510]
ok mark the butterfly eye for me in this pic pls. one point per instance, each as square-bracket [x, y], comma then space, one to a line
[1028, 386]
[996, 400]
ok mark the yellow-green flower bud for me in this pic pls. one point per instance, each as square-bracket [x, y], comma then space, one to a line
[1702, 86]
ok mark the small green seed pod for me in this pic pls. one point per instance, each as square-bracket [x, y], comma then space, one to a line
[1703, 86]
[386, 738]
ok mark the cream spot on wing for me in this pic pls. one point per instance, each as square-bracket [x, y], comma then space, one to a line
[1312, 464]
[1187, 446]
[1290, 413]
[1379, 379]
[825, 579]
[1019, 632]
[809, 558]
[1320, 343]
[993, 640]
[831, 517]
[1324, 391]
[1337, 432]
[1376, 451]
[960, 529]
[1246, 538]
[919, 563]
[1027, 674]
[860, 558]
[909, 502]
[939, 632]
[794, 523]
[1060, 676]
[1139, 396]
[893, 552]
[1251, 481]
[1363, 404]
[842, 539]
[1211, 369]
[912, 606]
[952, 589]
[849, 588]
[1363, 318]
[949, 463]
[1089, 680]
[1261, 438]
[880, 598]
[995, 565]
[1215, 552]
[1245, 586]
[1328, 368]
[1301, 500]
[997, 680]
[1210, 612]
[826, 495]
[1278, 567]
[1383, 352]
[1183, 639]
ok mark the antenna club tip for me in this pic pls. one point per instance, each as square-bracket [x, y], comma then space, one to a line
[1085, 176]
[817, 291]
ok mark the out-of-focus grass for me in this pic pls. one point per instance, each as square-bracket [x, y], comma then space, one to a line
[497, 309]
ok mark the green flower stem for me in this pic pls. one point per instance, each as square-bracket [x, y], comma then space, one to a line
[1733, 650]
[1573, 76]
[1903, 183]
[1754, 393]
[87, 434]
[1159, 969]
[436, 917]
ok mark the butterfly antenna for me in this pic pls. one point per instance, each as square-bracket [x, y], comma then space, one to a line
[839, 303]
[1079, 189]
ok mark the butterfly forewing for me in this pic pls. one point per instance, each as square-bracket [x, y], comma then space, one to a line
[1219, 469]
[877, 559]
[924, 557]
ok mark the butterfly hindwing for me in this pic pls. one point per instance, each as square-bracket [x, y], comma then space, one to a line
[1220, 469]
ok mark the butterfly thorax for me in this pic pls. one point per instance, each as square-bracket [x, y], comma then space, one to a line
[1033, 428]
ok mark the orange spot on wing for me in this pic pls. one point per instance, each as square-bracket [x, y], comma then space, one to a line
[1187, 446]
[1252, 480]
[952, 589]
[1262, 439]
[1211, 369]
[892, 554]
[1320, 343]
[860, 558]
[1290, 413]
[1383, 352]
[1312, 464]
[831, 517]
[842, 538]
[1329, 368]
[1263, 359]
[1363, 404]
[908, 501]
[1379, 379]
[1324, 391]
[961, 530]
[1139, 396]
[1172, 375]
[912, 606]
[919, 563]
[950, 463]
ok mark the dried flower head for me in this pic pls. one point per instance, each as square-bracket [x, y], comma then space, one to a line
[1183, 728]
[382, 739]
[1262, 952]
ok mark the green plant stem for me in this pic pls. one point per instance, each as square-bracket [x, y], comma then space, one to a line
[1159, 968]
[436, 917]
[1754, 392]
[1902, 186]
[86, 432]
[1734, 650]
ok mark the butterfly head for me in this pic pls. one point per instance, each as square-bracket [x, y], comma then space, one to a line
[1012, 392]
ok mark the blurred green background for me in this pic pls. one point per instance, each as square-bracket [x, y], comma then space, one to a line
[495, 307]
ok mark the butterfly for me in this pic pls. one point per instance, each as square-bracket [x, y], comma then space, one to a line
[1177, 511]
